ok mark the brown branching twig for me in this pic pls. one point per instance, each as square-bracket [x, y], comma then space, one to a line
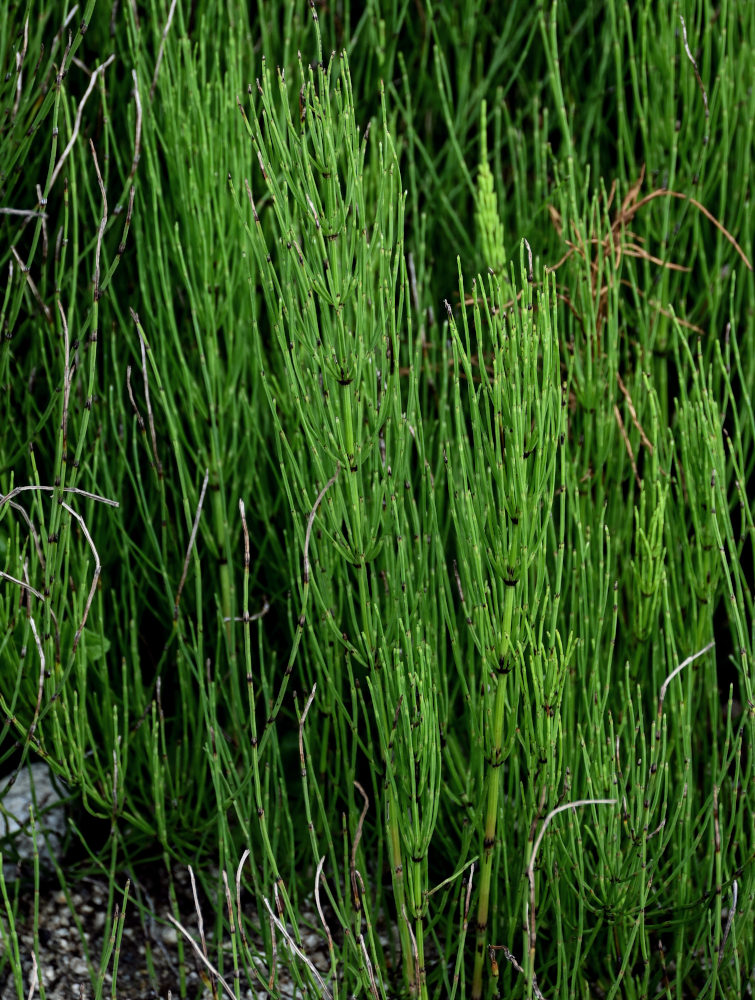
[620, 240]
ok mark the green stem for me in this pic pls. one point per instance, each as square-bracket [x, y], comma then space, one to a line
[399, 894]
[221, 534]
[491, 813]
[421, 974]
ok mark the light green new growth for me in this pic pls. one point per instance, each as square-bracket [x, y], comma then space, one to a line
[487, 219]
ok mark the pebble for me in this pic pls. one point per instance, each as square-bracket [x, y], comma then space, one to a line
[169, 934]
[79, 968]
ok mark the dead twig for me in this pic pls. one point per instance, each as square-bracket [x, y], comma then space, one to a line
[633, 413]
[676, 670]
[150, 416]
[190, 546]
[32, 287]
[216, 976]
[355, 845]
[297, 950]
[103, 223]
[531, 866]
[311, 519]
[246, 617]
[161, 50]
[706, 137]
[138, 122]
[49, 489]
[620, 240]
[77, 122]
[95, 579]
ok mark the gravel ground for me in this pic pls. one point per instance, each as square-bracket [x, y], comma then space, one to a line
[63, 947]
[148, 939]
[74, 934]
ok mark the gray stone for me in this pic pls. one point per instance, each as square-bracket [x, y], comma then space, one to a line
[16, 806]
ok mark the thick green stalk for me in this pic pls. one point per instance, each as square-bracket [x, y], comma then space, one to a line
[399, 893]
[419, 937]
[491, 812]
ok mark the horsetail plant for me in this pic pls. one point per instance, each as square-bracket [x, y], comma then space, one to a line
[377, 601]
[333, 284]
[328, 276]
[503, 465]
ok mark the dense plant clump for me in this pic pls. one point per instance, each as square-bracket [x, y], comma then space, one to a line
[376, 477]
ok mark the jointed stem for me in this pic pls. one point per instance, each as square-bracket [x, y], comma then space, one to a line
[491, 813]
